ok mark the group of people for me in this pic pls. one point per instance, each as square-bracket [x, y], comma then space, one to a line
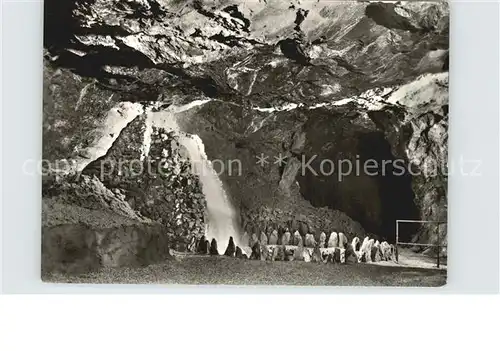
[336, 249]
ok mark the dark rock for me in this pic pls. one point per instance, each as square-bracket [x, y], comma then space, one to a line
[330, 258]
[213, 247]
[231, 248]
[201, 247]
[385, 15]
[303, 228]
[79, 248]
[256, 252]
[292, 49]
[238, 253]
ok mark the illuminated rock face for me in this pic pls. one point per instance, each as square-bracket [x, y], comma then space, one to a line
[335, 81]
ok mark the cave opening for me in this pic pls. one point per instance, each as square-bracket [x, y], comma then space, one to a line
[395, 186]
[375, 195]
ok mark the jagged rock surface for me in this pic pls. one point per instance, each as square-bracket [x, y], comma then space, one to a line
[156, 180]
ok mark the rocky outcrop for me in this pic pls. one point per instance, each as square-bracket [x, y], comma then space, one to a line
[239, 254]
[213, 248]
[231, 249]
[80, 248]
[203, 247]
[256, 251]
[155, 177]
[86, 226]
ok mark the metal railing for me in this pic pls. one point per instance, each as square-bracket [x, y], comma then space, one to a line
[438, 245]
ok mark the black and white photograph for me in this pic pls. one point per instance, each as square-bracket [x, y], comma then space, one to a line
[245, 142]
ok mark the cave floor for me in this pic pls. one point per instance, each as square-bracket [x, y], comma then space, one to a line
[222, 270]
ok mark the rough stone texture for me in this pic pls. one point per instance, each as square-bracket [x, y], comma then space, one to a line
[238, 253]
[192, 245]
[213, 248]
[85, 200]
[77, 114]
[278, 253]
[86, 226]
[231, 249]
[79, 248]
[158, 183]
[356, 89]
[256, 251]
[202, 247]
[351, 256]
